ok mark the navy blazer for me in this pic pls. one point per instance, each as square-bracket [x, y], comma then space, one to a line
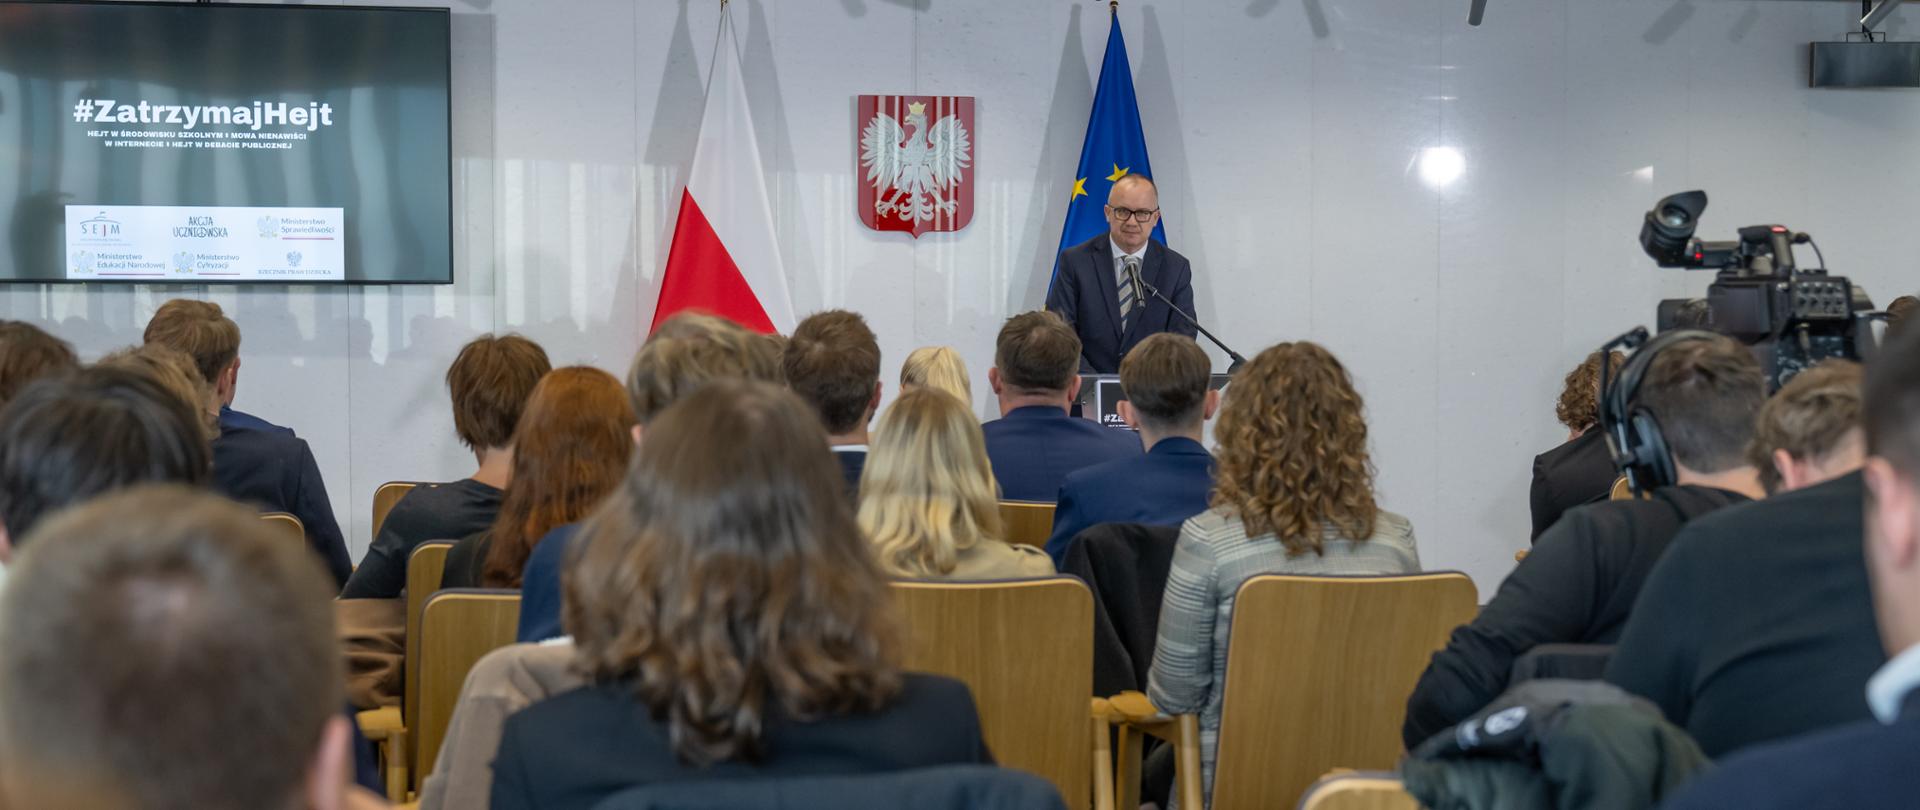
[1163, 488]
[852, 463]
[1863, 766]
[276, 472]
[1034, 448]
[230, 418]
[540, 586]
[1087, 294]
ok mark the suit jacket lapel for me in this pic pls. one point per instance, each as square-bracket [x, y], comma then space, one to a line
[1103, 273]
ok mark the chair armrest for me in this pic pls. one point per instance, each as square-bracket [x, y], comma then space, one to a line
[1134, 707]
[376, 724]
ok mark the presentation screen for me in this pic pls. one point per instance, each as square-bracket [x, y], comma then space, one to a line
[169, 143]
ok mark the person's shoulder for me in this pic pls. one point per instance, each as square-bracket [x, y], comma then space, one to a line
[1098, 477]
[1859, 765]
[230, 417]
[1173, 257]
[1214, 523]
[1093, 246]
[920, 690]
[1392, 527]
[1030, 561]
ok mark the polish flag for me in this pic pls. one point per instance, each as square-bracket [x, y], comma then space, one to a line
[724, 258]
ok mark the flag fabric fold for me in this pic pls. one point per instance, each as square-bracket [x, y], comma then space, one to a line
[725, 258]
[1114, 148]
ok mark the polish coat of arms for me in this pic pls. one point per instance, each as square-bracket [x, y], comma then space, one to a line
[916, 157]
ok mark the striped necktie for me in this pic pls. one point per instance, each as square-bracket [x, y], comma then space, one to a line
[1125, 284]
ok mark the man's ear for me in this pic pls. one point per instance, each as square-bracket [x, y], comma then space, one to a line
[1211, 406]
[1073, 388]
[327, 772]
[1787, 469]
[993, 380]
[1893, 525]
[6, 545]
[1125, 409]
[636, 431]
[873, 406]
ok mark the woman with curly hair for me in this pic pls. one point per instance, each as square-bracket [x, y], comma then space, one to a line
[1293, 494]
[730, 622]
[1581, 470]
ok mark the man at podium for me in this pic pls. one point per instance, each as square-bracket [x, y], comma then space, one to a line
[1105, 287]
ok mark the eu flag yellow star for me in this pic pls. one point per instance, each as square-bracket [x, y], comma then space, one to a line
[1117, 173]
[1079, 189]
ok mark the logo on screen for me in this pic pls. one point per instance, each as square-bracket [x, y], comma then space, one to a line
[83, 261]
[183, 262]
[100, 226]
[293, 259]
[269, 227]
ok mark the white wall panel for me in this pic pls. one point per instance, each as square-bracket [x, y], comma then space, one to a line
[1285, 135]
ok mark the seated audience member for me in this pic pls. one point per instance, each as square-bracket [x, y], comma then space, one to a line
[732, 624]
[1294, 495]
[688, 351]
[253, 461]
[1034, 443]
[1756, 625]
[206, 676]
[927, 503]
[1578, 584]
[1901, 316]
[27, 354]
[1580, 471]
[205, 333]
[489, 383]
[1867, 765]
[1168, 401]
[833, 363]
[175, 372]
[937, 367]
[569, 450]
[74, 438]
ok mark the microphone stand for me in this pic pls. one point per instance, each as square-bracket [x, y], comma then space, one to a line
[1140, 282]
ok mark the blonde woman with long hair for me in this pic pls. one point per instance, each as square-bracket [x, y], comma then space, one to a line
[1293, 494]
[938, 367]
[928, 502]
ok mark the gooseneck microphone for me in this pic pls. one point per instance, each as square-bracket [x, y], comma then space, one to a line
[1133, 275]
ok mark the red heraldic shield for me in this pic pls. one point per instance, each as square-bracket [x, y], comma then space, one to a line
[914, 161]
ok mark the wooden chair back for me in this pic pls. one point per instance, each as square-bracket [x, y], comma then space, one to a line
[1025, 649]
[457, 627]
[424, 569]
[1318, 674]
[385, 497]
[1622, 491]
[287, 525]
[1358, 791]
[1027, 522]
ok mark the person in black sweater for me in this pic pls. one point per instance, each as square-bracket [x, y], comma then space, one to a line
[489, 383]
[1580, 471]
[732, 624]
[1757, 624]
[1867, 765]
[1578, 584]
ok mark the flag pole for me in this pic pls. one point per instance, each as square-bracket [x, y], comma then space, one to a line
[1113, 7]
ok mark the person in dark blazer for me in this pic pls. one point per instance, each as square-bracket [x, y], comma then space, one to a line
[1867, 765]
[1109, 316]
[1580, 471]
[833, 363]
[730, 517]
[1168, 402]
[1035, 444]
[276, 472]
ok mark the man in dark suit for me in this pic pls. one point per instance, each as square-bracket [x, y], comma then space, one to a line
[1580, 471]
[1168, 401]
[833, 363]
[1093, 292]
[1870, 764]
[253, 461]
[1035, 444]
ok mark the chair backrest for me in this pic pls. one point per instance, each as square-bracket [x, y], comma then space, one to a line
[385, 497]
[1025, 649]
[1621, 491]
[424, 569]
[457, 627]
[286, 524]
[1027, 522]
[1318, 674]
[1359, 791]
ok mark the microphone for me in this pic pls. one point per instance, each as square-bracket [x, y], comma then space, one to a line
[1132, 265]
[1133, 276]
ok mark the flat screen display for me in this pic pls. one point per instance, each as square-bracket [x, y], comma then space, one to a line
[169, 143]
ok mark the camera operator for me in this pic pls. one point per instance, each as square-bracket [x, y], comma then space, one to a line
[1580, 580]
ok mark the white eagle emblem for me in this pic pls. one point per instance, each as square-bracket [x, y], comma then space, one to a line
[921, 167]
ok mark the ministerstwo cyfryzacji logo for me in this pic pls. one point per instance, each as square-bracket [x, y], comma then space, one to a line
[100, 226]
[183, 262]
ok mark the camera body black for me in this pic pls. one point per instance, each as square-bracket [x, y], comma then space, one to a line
[1792, 317]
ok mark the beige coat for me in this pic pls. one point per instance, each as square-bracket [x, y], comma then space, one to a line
[994, 559]
[503, 682]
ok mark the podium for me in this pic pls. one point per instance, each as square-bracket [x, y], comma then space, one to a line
[1100, 397]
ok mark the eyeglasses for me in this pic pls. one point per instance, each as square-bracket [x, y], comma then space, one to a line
[1142, 215]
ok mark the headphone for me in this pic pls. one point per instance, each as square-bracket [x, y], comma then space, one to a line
[1634, 439]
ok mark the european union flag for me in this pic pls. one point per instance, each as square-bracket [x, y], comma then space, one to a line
[1115, 147]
